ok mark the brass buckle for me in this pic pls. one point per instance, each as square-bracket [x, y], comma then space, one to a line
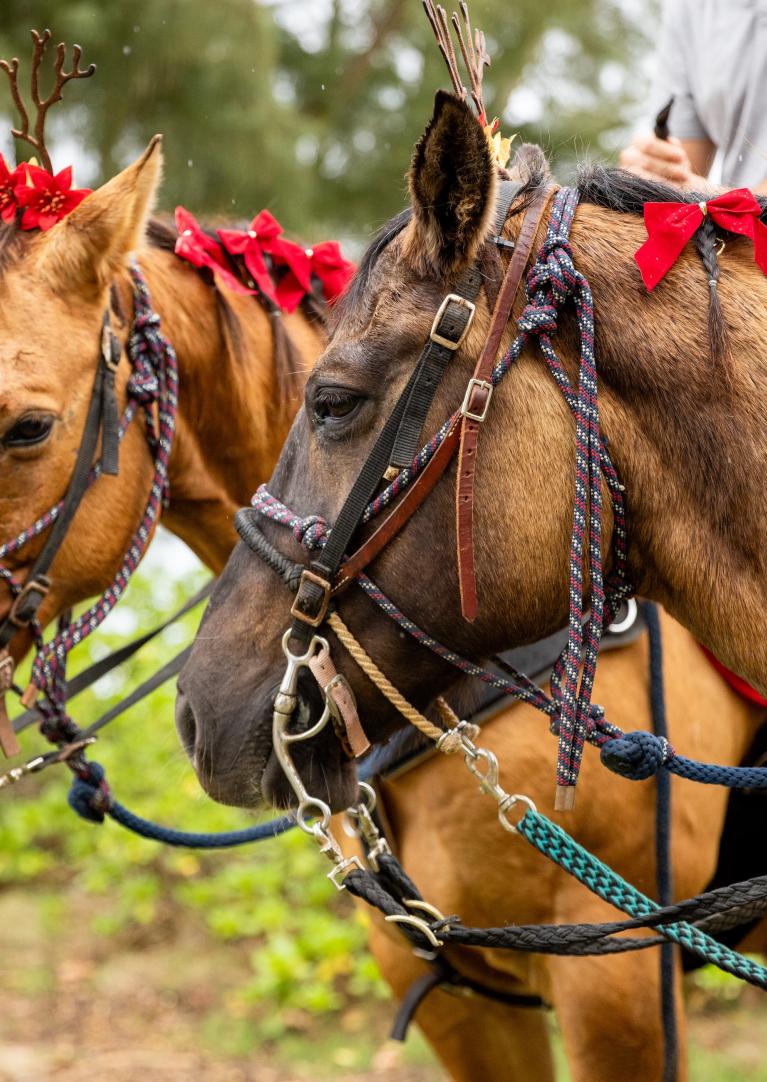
[39, 586]
[312, 621]
[448, 343]
[488, 387]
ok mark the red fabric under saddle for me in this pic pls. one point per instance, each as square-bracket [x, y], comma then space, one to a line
[737, 682]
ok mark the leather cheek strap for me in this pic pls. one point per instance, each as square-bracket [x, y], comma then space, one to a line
[478, 395]
[352, 736]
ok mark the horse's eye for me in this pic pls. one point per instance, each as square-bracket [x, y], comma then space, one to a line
[29, 430]
[334, 404]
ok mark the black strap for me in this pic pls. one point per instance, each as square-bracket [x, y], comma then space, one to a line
[171, 668]
[435, 358]
[311, 596]
[443, 974]
[36, 586]
[94, 672]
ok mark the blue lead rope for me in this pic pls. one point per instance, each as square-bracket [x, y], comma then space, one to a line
[90, 797]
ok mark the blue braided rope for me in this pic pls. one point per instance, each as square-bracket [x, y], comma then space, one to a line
[557, 845]
[191, 840]
[90, 797]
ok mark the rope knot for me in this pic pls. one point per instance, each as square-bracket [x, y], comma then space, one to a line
[311, 532]
[637, 755]
[143, 385]
[145, 320]
[89, 794]
[538, 319]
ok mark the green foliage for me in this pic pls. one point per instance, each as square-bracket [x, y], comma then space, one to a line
[271, 901]
[312, 108]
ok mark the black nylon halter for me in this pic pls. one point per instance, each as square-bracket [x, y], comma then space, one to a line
[398, 440]
[102, 421]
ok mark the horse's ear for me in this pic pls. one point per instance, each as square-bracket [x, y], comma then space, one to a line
[452, 187]
[93, 242]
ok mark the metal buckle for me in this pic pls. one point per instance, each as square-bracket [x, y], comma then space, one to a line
[41, 586]
[448, 343]
[488, 387]
[312, 621]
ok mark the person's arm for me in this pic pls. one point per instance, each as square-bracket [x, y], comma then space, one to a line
[686, 157]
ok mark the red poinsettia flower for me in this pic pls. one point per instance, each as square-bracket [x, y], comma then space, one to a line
[8, 181]
[47, 198]
[264, 237]
[201, 250]
[329, 265]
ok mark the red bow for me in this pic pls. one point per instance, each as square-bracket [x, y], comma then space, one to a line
[670, 226]
[264, 238]
[330, 267]
[201, 250]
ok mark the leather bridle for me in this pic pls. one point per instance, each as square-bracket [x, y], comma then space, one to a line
[332, 571]
[551, 281]
[101, 424]
[151, 390]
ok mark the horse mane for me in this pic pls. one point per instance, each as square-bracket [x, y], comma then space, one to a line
[621, 191]
[160, 235]
[288, 363]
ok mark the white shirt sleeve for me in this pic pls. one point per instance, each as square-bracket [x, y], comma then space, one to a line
[676, 39]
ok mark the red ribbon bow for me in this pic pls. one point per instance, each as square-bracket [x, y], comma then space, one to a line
[264, 237]
[329, 266]
[671, 225]
[201, 250]
[289, 277]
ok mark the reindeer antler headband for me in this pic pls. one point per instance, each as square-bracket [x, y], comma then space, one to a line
[36, 139]
[475, 59]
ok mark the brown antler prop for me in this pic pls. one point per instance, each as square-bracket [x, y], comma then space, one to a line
[42, 105]
[473, 51]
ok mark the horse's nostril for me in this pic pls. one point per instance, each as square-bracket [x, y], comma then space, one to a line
[186, 726]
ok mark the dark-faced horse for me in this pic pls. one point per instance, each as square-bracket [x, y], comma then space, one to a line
[680, 419]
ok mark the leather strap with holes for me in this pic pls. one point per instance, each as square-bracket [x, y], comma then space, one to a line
[477, 400]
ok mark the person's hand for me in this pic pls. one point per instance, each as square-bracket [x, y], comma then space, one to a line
[661, 159]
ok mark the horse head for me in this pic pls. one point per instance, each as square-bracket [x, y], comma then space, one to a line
[379, 327]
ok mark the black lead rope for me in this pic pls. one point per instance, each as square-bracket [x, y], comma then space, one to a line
[442, 974]
[663, 871]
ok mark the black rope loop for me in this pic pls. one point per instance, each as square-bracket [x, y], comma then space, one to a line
[245, 522]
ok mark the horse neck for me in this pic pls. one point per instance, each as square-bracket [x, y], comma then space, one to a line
[687, 432]
[235, 406]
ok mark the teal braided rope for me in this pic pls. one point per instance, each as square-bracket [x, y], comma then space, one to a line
[557, 845]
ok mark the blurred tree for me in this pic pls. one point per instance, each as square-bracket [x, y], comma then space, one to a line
[311, 107]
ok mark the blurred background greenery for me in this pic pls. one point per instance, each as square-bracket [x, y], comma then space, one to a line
[309, 108]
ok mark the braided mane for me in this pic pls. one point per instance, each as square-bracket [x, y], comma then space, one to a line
[618, 190]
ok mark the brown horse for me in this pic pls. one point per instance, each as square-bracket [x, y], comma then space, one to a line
[671, 422]
[237, 390]
[686, 437]
[447, 838]
[239, 385]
